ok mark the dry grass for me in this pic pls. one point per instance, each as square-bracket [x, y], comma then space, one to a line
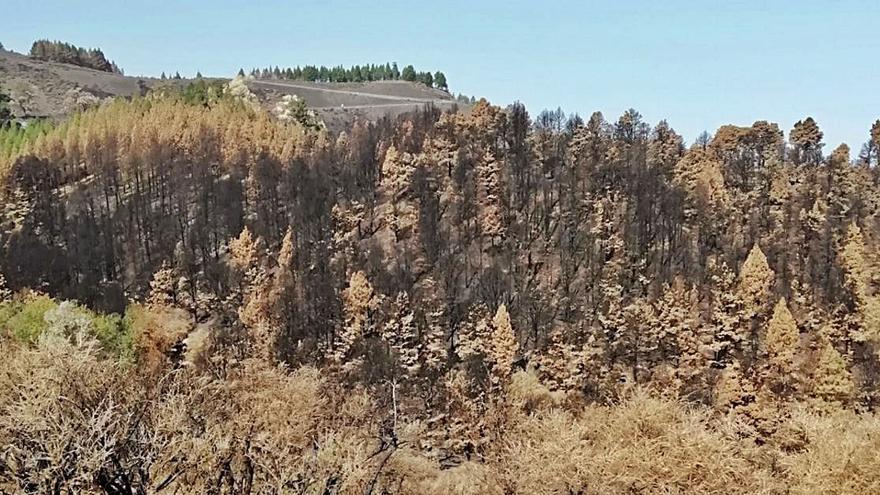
[841, 455]
[643, 445]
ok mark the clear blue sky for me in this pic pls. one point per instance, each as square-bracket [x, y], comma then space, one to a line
[698, 64]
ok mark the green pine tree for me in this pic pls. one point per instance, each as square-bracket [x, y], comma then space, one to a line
[409, 74]
[440, 81]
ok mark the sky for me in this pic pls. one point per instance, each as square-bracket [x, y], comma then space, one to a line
[697, 64]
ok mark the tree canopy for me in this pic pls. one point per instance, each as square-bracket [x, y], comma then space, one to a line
[57, 51]
[355, 73]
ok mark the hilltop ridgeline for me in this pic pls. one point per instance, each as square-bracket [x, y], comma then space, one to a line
[57, 51]
[355, 73]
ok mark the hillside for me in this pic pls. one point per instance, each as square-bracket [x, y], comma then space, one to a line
[470, 303]
[44, 89]
[50, 89]
[209, 291]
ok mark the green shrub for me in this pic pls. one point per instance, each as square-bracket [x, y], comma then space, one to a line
[115, 335]
[25, 317]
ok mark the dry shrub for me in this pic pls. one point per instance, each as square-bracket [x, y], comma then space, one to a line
[156, 330]
[643, 445]
[69, 421]
[409, 472]
[253, 431]
[526, 392]
[263, 429]
[198, 347]
[72, 421]
[469, 478]
[348, 451]
[842, 455]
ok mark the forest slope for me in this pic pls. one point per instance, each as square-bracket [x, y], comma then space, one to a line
[441, 302]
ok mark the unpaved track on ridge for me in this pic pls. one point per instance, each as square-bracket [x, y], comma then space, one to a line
[410, 103]
[363, 94]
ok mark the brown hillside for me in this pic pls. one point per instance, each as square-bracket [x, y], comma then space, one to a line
[50, 89]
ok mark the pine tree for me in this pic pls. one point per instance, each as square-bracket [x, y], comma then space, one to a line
[357, 302]
[409, 74]
[491, 209]
[874, 144]
[756, 281]
[347, 221]
[474, 334]
[401, 333]
[832, 384]
[257, 315]
[665, 148]
[397, 176]
[434, 344]
[639, 338]
[875, 133]
[243, 253]
[807, 141]
[859, 314]
[734, 390]
[434, 349]
[809, 316]
[780, 349]
[463, 418]
[852, 260]
[284, 278]
[567, 367]
[427, 79]
[611, 315]
[502, 346]
[554, 361]
[699, 174]
[864, 321]
[842, 190]
[284, 291]
[727, 323]
[293, 109]
[682, 340]
[248, 279]
[440, 81]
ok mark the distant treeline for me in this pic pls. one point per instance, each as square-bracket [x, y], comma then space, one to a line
[356, 73]
[57, 51]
